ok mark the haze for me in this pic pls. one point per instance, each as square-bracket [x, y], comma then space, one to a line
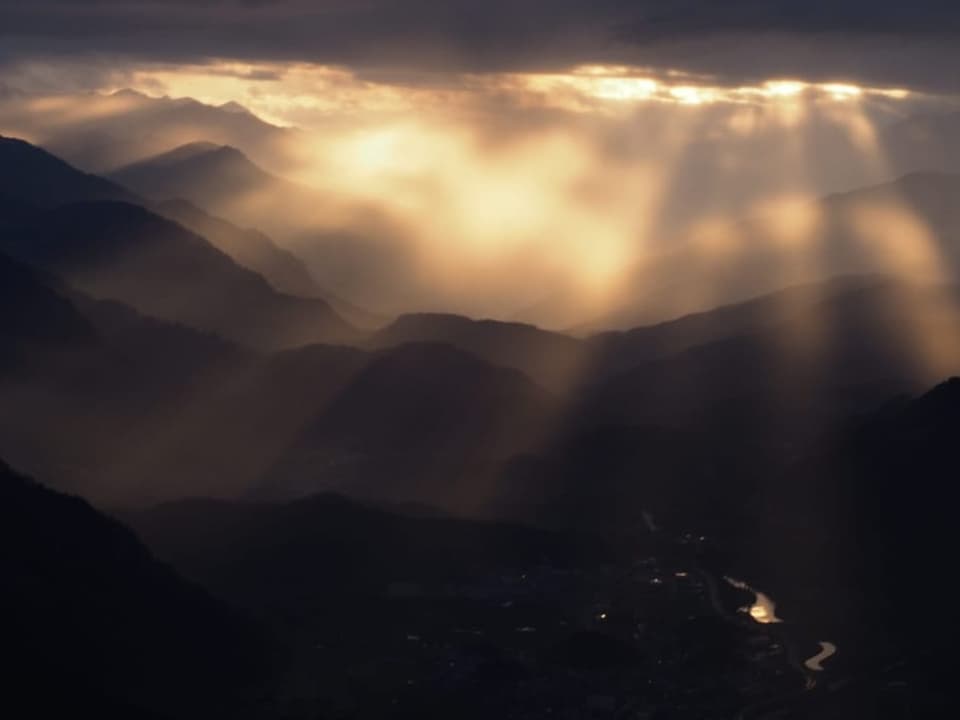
[516, 359]
[553, 196]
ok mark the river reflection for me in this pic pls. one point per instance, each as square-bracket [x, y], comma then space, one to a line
[763, 609]
[827, 650]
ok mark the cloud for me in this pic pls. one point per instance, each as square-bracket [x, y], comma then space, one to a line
[881, 41]
[498, 156]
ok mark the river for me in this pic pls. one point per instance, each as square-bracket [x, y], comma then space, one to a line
[764, 611]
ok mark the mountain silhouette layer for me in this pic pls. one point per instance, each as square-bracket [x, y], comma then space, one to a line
[87, 608]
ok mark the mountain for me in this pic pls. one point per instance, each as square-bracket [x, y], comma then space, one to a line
[224, 181]
[848, 535]
[821, 361]
[410, 422]
[687, 418]
[119, 251]
[32, 312]
[699, 436]
[36, 177]
[905, 228]
[215, 177]
[129, 409]
[422, 422]
[617, 351]
[556, 361]
[357, 250]
[87, 610]
[615, 478]
[397, 616]
[255, 251]
[228, 440]
[148, 411]
[249, 248]
[254, 553]
[101, 133]
[92, 392]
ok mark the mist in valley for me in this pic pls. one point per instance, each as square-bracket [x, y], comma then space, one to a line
[398, 360]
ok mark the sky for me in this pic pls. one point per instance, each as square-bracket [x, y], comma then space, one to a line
[520, 152]
[885, 42]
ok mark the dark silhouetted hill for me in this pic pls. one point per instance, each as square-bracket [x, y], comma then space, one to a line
[127, 408]
[726, 400]
[422, 422]
[31, 311]
[859, 535]
[254, 553]
[34, 176]
[787, 378]
[93, 393]
[617, 478]
[94, 624]
[124, 252]
[116, 250]
[558, 362]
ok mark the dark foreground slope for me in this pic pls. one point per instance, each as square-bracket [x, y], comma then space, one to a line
[870, 516]
[93, 625]
[856, 543]
[439, 617]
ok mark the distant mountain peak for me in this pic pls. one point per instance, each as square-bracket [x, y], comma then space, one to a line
[130, 93]
[190, 153]
[228, 151]
[234, 107]
[183, 152]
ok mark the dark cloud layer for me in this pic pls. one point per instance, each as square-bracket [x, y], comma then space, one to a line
[879, 41]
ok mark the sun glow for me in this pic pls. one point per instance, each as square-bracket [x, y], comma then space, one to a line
[619, 184]
[842, 92]
[289, 93]
[784, 88]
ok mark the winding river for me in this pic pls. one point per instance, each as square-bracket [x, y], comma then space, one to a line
[764, 611]
[827, 650]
